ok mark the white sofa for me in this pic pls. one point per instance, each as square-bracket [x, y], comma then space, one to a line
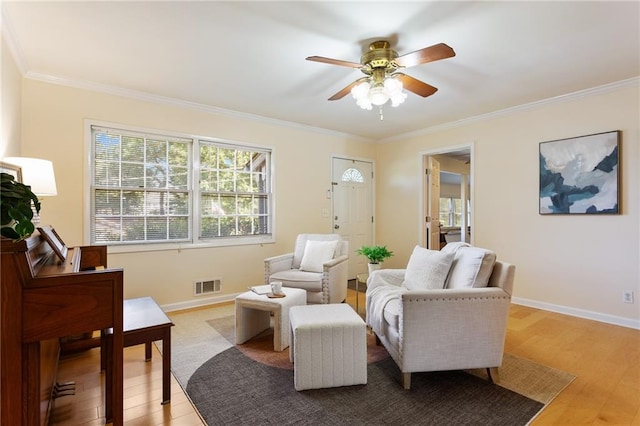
[447, 311]
[318, 264]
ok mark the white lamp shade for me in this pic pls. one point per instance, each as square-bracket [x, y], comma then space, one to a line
[36, 173]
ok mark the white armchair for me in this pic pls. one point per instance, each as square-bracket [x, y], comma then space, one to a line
[318, 264]
[457, 323]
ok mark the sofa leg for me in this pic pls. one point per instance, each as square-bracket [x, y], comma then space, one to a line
[494, 375]
[406, 381]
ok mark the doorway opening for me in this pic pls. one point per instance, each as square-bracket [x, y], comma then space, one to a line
[447, 194]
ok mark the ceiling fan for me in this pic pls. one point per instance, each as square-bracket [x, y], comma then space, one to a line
[380, 63]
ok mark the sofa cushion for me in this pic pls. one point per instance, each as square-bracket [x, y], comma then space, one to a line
[471, 267]
[427, 269]
[316, 253]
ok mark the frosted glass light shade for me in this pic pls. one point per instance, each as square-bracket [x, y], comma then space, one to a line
[378, 95]
[36, 173]
[366, 93]
[360, 92]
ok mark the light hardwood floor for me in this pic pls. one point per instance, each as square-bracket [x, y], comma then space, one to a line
[604, 358]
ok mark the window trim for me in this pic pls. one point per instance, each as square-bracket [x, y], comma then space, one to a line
[195, 242]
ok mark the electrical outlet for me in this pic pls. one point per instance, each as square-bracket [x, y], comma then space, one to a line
[627, 296]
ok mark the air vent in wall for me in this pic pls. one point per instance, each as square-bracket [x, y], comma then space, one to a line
[213, 285]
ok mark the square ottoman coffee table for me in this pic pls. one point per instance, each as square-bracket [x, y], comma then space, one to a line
[328, 346]
[253, 315]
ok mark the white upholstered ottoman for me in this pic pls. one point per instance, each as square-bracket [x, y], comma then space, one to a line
[253, 312]
[328, 346]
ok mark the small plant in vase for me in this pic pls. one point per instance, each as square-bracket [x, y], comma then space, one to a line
[15, 208]
[375, 254]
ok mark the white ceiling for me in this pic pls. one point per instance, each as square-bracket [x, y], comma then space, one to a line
[249, 57]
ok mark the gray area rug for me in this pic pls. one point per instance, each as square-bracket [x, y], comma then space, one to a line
[232, 389]
[246, 384]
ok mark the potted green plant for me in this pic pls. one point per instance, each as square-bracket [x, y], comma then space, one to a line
[376, 254]
[16, 213]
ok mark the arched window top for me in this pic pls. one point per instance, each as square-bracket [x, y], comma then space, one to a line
[352, 175]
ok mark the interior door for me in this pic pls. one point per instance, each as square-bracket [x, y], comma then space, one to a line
[352, 196]
[432, 203]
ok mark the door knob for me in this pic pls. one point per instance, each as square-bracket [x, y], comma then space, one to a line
[336, 226]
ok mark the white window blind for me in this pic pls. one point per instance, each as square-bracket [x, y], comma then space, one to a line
[141, 189]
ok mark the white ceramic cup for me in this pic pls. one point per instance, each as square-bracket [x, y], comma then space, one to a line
[276, 287]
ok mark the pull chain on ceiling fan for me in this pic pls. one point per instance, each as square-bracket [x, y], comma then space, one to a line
[383, 82]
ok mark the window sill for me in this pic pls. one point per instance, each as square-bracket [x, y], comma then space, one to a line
[141, 248]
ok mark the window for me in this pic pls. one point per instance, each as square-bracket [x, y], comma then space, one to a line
[352, 175]
[451, 212]
[234, 198]
[142, 189]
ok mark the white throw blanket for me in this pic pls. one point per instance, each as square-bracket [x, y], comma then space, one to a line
[377, 299]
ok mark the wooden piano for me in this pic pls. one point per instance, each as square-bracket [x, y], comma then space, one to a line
[43, 298]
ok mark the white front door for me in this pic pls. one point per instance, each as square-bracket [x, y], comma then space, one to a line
[352, 195]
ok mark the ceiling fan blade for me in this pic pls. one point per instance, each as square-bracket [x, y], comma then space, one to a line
[341, 94]
[416, 86]
[334, 61]
[428, 54]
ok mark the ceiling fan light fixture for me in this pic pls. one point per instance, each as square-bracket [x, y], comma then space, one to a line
[398, 98]
[393, 86]
[378, 95]
[367, 93]
[360, 93]
[380, 63]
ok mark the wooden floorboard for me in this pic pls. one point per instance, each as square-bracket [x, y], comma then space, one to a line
[604, 358]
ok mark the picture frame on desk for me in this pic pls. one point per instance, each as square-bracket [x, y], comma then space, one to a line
[11, 169]
[54, 240]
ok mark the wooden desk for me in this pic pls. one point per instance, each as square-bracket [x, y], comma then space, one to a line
[143, 322]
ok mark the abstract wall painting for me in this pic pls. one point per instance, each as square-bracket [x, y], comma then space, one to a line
[580, 175]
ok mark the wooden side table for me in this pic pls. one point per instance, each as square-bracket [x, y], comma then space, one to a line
[143, 322]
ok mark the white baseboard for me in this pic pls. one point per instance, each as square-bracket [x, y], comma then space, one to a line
[580, 313]
[198, 303]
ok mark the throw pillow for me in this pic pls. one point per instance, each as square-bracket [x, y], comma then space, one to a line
[427, 269]
[454, 247]
[472, 267]
[316, 253]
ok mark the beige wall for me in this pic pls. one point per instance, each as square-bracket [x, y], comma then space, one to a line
[53, 128]
[10, 103]
[576, 264]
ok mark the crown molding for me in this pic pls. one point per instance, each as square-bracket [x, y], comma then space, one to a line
[605, 88]
[8, 35]
[163, 100]
[147, 97]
